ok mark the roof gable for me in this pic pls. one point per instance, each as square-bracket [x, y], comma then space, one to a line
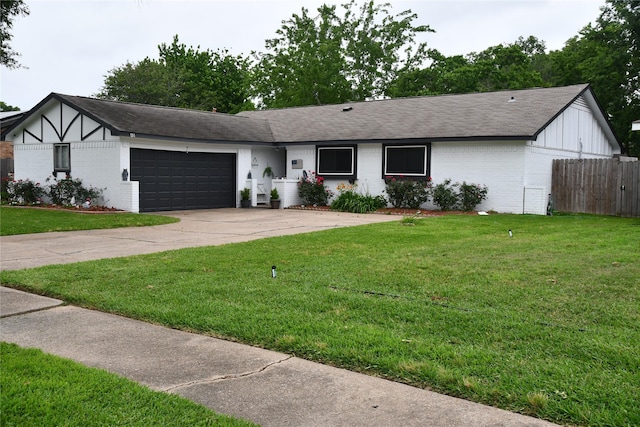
[158, 122]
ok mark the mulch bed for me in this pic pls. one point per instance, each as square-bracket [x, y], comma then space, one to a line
[79, 209]
[382, 211]
[391, 211]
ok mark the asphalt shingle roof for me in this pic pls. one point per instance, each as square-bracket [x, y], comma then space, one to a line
[505, 114]
[156, 121]
[510, 114]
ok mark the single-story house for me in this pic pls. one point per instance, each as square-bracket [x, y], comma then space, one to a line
[151, 158]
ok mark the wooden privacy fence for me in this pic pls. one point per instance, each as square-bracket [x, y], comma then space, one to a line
[6, 167]
[598, 186]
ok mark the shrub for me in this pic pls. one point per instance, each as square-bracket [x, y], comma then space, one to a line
[471, 195]
[4, 184]
[407, 193]
[312, 191]
[463, 196]
[245, 193]
[68, 190]
[24, 192]
[350, 200]
[445, 195]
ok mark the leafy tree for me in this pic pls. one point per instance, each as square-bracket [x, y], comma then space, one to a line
[9, 10]
[145, 82]
[378, 50]
[183, 77]
[331, 59]
[5, 107]
[305, 64]
[607, 55]
[496, 68]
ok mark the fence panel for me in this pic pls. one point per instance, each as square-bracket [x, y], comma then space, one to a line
[6, 167]
[599, 186]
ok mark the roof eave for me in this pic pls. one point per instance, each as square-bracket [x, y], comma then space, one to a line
[411, 140]
[132, 136]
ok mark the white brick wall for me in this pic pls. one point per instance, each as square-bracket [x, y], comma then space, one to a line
[496, 164]
[97, 164]
[307, 154]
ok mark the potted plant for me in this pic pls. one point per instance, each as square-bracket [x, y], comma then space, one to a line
[268, 172]
[244, 198]
[275, 199]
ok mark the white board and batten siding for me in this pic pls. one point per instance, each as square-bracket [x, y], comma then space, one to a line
[576, 131]
[574, 134]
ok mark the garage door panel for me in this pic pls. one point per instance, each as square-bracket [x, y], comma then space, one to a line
[177, 180]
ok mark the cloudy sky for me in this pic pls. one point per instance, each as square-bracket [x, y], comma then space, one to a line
[69, 46]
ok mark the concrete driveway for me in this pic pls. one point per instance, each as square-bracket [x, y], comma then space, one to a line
[196, 228]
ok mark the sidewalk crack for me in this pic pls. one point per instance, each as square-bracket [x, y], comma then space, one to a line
[225, 377]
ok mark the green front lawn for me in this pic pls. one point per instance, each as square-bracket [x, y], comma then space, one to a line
[545, 323]
[43, 390]
[21, 220]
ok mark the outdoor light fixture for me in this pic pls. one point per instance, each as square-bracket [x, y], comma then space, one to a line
[125, 174]
[273, 271]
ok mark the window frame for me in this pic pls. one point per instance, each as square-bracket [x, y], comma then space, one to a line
[62, 162]
[351, 174]
[426, 169]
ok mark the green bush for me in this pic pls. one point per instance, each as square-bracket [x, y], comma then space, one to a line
[445, 195]
[24, 192]
[407, 193]
[471, 195]
[312, 191]
[62, 192]
[4, 184]
[350, 200]
[67, 190]
[463, 196]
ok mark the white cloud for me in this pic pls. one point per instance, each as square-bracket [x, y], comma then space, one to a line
[70, 45]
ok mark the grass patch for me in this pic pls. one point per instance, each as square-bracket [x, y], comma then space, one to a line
[545, 323]
[44, 390]
[19, 220]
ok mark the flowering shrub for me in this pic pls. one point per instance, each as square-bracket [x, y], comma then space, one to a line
[471, 195]
[407, 193]
[27, 192]
[463, 196]
[350, 200]
[312, 191]
[24, 192]
[66, 190]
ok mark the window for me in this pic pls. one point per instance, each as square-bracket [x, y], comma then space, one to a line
[61, 158]
[337, 162]
[406, 160]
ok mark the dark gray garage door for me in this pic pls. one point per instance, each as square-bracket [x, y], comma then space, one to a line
[172, 180]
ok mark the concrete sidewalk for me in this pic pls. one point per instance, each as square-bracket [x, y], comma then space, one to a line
[268, 388]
